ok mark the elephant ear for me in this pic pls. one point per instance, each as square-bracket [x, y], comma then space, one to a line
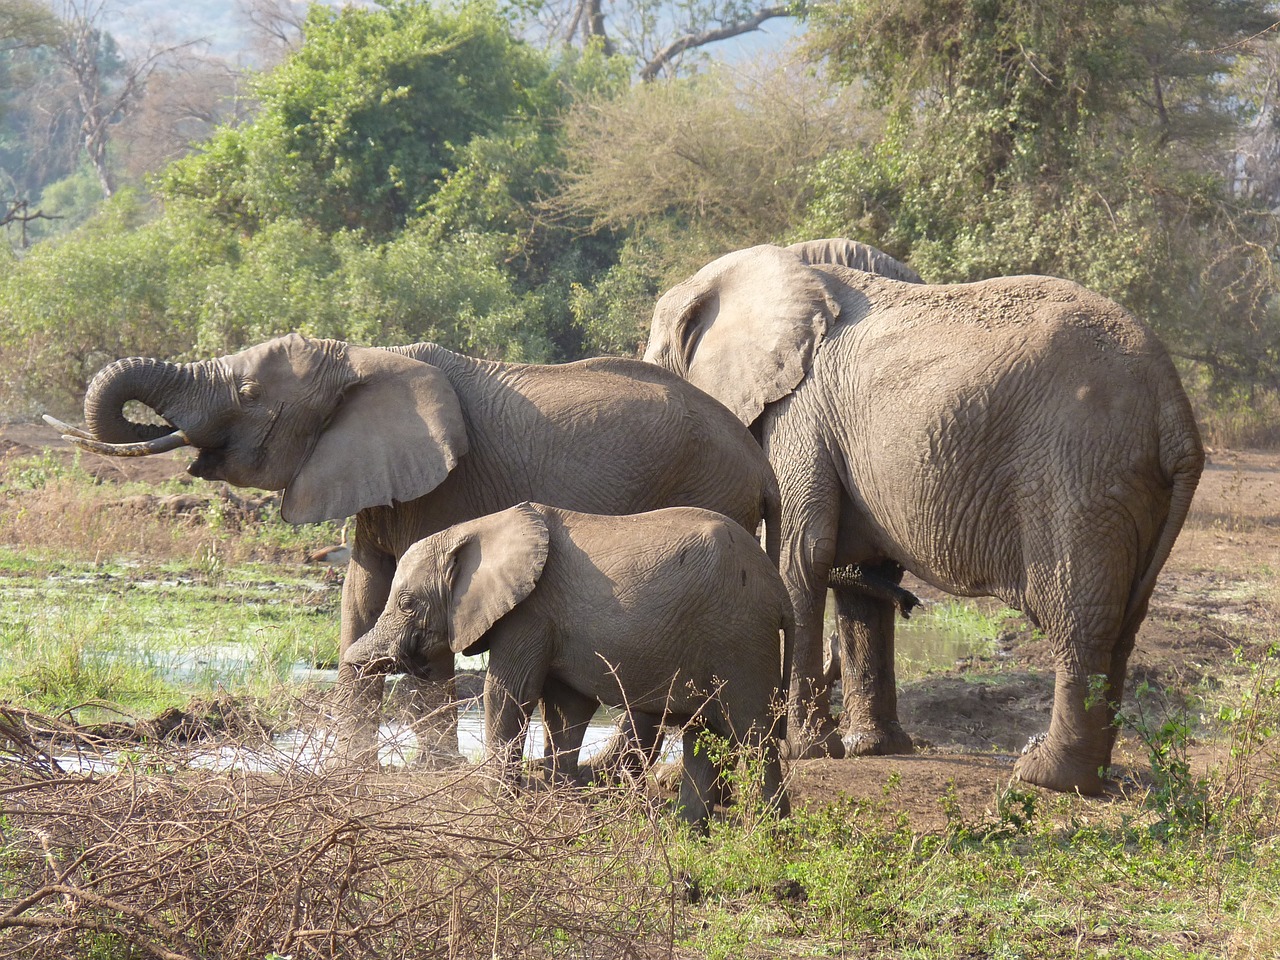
[855, 255]
[396, 433]
[495, 564]
[744, 328]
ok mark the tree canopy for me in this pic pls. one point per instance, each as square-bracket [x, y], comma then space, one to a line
[420, 171]
[1085, 140]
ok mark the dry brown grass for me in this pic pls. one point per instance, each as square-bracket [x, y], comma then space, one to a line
[1248, 422]
[160, 858]
[68, 514]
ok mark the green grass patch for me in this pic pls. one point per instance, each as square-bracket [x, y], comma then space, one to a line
[143, 638]
[852, 879]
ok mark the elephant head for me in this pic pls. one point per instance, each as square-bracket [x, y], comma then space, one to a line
[336, 427]
[451, 587]
[745, 327]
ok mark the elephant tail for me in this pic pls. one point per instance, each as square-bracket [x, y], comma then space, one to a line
[788, 655]
[1185, 468]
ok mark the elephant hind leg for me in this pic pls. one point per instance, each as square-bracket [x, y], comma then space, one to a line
[1092, 644]
[699, 780]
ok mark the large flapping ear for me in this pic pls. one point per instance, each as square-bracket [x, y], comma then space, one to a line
[496, 564]
[395, 435]
[744, 328]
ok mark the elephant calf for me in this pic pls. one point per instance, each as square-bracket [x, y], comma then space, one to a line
[674, 613]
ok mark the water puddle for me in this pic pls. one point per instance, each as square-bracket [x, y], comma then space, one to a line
[308, 750]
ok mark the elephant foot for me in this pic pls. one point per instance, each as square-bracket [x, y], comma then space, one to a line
[811, 745]
[878, 741]
[353, 756]
[437, 758]
[1044, 765]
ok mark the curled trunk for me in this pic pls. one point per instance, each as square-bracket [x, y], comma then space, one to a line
[155, 383]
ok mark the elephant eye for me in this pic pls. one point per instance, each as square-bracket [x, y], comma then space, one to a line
[406, 604]
[250, 390]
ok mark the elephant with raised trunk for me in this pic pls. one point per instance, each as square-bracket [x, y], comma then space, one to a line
[1020, 437]
[414, 439]
[674, 614]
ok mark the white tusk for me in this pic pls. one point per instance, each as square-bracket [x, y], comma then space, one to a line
[143, 448]
[66, 429]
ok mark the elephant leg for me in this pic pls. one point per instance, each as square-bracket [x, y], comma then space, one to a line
[809, 529]
[698, 781]
[636, 742]
[1093, 643]
[507, 713]
[864, 626]
[364, 592]
[565, 714]
[763, 747]
[432, 708]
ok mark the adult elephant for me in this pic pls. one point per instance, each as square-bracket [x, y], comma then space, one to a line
[414, 439]
[1019, 437]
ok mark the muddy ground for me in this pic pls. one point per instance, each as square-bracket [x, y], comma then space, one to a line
[1219, 591]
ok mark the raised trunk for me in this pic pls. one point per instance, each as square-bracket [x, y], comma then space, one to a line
[164, 387]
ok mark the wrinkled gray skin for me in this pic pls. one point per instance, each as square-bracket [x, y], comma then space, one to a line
[1020, 437]
[412, 440]
[651, 612]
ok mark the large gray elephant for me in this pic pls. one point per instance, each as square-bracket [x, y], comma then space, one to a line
[674, 614]
[1019, 437]
[414, 439]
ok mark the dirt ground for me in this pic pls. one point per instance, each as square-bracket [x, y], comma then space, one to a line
[1218, 592]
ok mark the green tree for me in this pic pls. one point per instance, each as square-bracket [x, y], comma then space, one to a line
[395, 196]
[357, 129]
[1081, 139]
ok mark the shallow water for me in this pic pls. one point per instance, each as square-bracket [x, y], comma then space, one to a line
[310, 749]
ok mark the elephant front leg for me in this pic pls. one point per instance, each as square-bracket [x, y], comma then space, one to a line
[566, 713]
[811, 730]
[864, 627]
[364, 592]
[809, 529]
[432, 708]
[507, 713]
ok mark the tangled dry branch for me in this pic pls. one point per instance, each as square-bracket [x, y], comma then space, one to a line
[151, 855]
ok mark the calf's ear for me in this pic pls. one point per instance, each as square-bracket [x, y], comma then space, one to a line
[495, 563]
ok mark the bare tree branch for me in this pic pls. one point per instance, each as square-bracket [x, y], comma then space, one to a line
[692, 40]
[102, 104]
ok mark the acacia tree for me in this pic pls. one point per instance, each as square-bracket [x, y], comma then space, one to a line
[690, 168]
[1079, 139]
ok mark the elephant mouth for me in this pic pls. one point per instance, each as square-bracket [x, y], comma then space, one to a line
[414, 667]
[209, 464]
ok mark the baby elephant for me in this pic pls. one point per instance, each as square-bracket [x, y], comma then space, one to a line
[674, 613]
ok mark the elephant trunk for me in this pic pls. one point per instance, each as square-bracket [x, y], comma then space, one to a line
[172, 390]
[372, 653]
